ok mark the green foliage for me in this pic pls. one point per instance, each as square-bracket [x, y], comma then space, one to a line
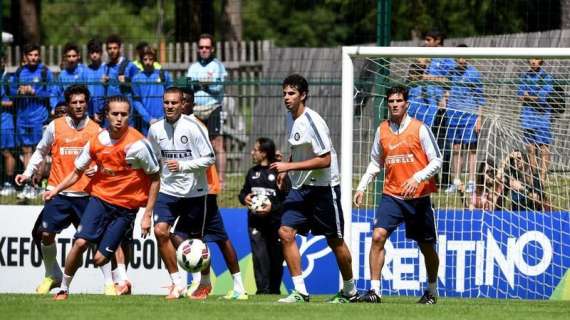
[81, 20]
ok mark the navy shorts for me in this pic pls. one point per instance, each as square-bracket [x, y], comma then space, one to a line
[61, 211]
[416, 213]
[29, 136]
[105, 224]
[7, 131]
[191, 214]
[214, 230]
[315, 209]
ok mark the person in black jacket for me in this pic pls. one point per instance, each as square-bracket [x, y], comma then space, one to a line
[264, 223]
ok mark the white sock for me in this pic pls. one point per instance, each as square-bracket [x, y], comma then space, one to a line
[238, 283]
[205, 279]
[375, 285]
[196, 277]
[299, 284]
[432, 288]
[50, 263]
[107, 273]
[348, 287]
[122, 274]
[65, 282]
[115, 274]
[176, 279]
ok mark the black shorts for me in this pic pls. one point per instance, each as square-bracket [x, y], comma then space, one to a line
[214, 123]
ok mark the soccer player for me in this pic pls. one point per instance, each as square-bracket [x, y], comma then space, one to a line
[30, 87]
[73, 72]
[464, 119]
[126, 179]
[207, 76]
[313, 204]
[536, 115]
[214, 231]
[148, 90]
[407, 151]
[263, 224]
[185, 153]
[64, 139]
[94, 73]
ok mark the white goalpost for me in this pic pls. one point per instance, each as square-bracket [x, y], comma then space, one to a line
[503, 200]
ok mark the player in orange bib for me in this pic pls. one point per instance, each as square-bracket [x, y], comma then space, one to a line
[409, 154]
[127, 178]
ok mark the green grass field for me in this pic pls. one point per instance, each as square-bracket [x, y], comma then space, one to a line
[15, 306]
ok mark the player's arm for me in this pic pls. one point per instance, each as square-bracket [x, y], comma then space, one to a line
[206, 156]
[42, 150]
[318, 162]
[373, 169]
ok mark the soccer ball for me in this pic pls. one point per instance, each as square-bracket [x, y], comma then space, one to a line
[258, 202]
[193, 255]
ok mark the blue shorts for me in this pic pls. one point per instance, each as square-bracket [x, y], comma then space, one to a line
[7, 132]
[416, 213]
[214, 230]
[28, 136]
[461, 129]
[105, 224]
[315, 209]
[62, 211]
[191, 214]
[537, 136]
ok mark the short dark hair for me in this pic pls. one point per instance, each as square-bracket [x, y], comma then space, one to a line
[298, 82]
[31, 47]
[436, 34]
[267, 146]
[117, 98]
[141, 45]
[174, 89]
[206, 36]
[70, 46]
[94, 45]
[398, 90]
[190, 94]
[114, 38]
[76, 89]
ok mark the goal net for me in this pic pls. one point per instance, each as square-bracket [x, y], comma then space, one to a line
[502, 205]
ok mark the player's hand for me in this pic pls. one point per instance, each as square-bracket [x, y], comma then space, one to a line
[21, 179]
[410, 186]
[247, 199]
[90, 172]
[122, 78]
[281, 180]
[358, 198]
[280, 166]
[173, 165]
[48, 195]
[105, 79]
[265, 210]
[145, 225]
[36, 180]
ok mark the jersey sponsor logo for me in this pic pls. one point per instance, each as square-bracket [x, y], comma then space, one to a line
[401, 158]
[184, 139]
[256, 175]
[71, 151]
[296, 136]
[176, 154]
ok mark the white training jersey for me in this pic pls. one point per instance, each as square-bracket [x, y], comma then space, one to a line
[187, 142]
[309, 137]
[138, 155]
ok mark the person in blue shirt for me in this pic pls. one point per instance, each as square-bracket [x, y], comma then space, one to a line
[139, 63]
[119, 71]
[31, 89]
[148, 89]
[534, 88]
[421, 96]
[72, 72]
[94, 73]
[7, 137]
[207, 77]
[464, 120]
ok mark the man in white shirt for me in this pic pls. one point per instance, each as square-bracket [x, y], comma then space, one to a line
[185, 152]
[313, 204]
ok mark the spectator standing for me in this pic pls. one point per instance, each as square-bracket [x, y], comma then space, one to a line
[94, 73]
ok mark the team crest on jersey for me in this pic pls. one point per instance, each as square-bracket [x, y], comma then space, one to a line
[297, 136]
[271, 177]
[184, 139]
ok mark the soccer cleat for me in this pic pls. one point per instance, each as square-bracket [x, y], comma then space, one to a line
[110, 289]
[234, 295]
[7, 190]
[174, 292]
[61, 295]
[370, 297]
[202, 292]
[341, 298]
[192, 287]
[47, 284]
[124, 289]
[428, 298]
[295, 297]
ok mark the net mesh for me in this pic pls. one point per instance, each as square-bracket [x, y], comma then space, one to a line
[503, 133]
